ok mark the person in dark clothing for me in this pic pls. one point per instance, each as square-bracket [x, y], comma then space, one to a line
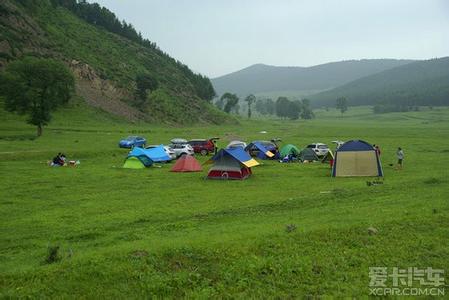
[57, 160]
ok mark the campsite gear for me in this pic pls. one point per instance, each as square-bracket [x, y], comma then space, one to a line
[307, 155]
[259, 150]
[168, 150]
[137, 162]
[186, 163]
[328, 158]
[156, 154]
[289, 149]
[139, 158]
[231, 163]
[357, 158]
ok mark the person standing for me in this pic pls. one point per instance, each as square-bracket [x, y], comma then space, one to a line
[400, 155]
[377, 150]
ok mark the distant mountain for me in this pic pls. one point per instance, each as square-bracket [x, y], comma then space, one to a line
[266, 79]
[418, 83]
[107, 56]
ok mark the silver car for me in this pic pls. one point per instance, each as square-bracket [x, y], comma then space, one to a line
[319, 148]
[180, 147]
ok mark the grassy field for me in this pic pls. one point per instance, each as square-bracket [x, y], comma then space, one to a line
[134, 233]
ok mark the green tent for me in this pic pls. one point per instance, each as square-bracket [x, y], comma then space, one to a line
[133, 162]
[289, 149]
[307, 154]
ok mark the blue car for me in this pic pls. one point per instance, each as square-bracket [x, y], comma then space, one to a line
[132, 141]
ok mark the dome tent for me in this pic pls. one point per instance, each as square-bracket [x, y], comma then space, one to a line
[289, 149]
[231, 163]
[307, 154]
[357, 158]
[186, 163]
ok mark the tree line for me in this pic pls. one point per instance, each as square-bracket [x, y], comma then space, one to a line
[282, 107]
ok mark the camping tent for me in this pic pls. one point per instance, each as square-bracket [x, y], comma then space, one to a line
[289, 149]
[231, 163]
[357, 158]
[262, 151]
[186, 163]
[139, 158]
[307, 154]
[156, 154]
[137, 162]
[328, 158]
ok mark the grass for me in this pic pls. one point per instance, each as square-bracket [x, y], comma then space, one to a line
[291, 230]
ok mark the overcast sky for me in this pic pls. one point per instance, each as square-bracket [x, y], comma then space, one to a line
[216, 37]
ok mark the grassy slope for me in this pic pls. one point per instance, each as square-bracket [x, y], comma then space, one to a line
[210, 238]
[117, 59]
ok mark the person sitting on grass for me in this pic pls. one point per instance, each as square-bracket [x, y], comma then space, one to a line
[400, 155]
[63, 159]
[56, 160]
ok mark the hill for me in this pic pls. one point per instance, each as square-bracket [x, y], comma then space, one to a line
[415, 84]
[106, 55]
[261, 78]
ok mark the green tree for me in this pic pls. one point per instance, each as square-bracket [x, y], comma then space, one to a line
[219, 103]
[36, 87]
[306, 111]
[231, 101]
[342, 104]
[282, 107]
[250, 100]
[270, 106]
[144, 84]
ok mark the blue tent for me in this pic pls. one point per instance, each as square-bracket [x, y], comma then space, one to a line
[263, 152]
[357, 158]
[238, 154]
[156, 154]
[231, 163]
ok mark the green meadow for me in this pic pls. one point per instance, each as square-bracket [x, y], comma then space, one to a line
[290, 230]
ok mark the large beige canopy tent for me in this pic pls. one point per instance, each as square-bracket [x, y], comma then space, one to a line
[357, 158]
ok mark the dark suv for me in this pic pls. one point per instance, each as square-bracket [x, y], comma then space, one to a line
[203, 146]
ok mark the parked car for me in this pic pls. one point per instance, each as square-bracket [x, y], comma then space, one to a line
[170, 152]
[319, 148]
[235, 144]
[270, 145]
[203, 146]
[181, 147]
[132, 141]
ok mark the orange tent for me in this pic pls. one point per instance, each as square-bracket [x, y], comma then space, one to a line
[186, 163]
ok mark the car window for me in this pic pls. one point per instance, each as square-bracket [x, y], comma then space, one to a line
[310, 146]
[322, 147]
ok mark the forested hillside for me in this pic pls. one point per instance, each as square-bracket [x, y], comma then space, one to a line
[116, 69]
[261, 78]
[415, 84]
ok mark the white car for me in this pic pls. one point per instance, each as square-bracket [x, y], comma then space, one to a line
[170, 152]
[180, 147]
[235, 144]
[319, 148]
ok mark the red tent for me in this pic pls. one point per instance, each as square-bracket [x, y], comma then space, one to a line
[186, 163]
